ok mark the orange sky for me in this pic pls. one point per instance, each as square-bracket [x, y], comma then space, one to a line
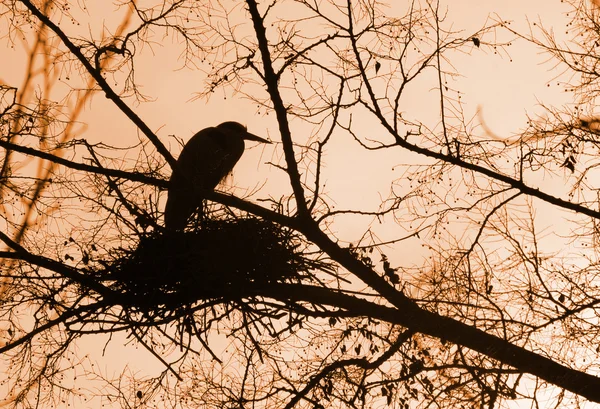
[506, 87]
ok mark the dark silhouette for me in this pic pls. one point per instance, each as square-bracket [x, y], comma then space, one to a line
[205, 160]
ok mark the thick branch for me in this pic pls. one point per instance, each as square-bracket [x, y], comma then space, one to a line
[409, 315]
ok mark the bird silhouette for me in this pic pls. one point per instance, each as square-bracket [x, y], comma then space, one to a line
[205, 160]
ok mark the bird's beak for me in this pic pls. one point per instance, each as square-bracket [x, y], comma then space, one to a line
[251, 137]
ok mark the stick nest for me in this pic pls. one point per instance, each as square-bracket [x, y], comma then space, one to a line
[223, 259]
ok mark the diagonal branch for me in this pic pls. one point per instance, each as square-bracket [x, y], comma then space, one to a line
[272, 81]
[20, 253]
[120, 174]
[510, 181]
[409, 315]
[97, 75]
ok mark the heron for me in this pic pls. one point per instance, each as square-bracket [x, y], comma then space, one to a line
[206, 159]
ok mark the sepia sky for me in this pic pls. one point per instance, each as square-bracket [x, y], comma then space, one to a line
[505, 86]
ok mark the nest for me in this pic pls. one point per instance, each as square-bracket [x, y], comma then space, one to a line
[223, 259]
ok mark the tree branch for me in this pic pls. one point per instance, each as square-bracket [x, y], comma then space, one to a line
[272, 81]
[108, 91]
[409, 315]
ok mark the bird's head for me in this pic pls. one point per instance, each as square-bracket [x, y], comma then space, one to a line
[239, 130]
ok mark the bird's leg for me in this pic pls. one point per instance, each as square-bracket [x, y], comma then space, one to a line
[201, 214]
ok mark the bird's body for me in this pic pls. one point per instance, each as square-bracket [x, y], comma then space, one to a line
[207, 158]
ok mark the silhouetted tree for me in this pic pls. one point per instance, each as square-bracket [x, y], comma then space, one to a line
[471, 280]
